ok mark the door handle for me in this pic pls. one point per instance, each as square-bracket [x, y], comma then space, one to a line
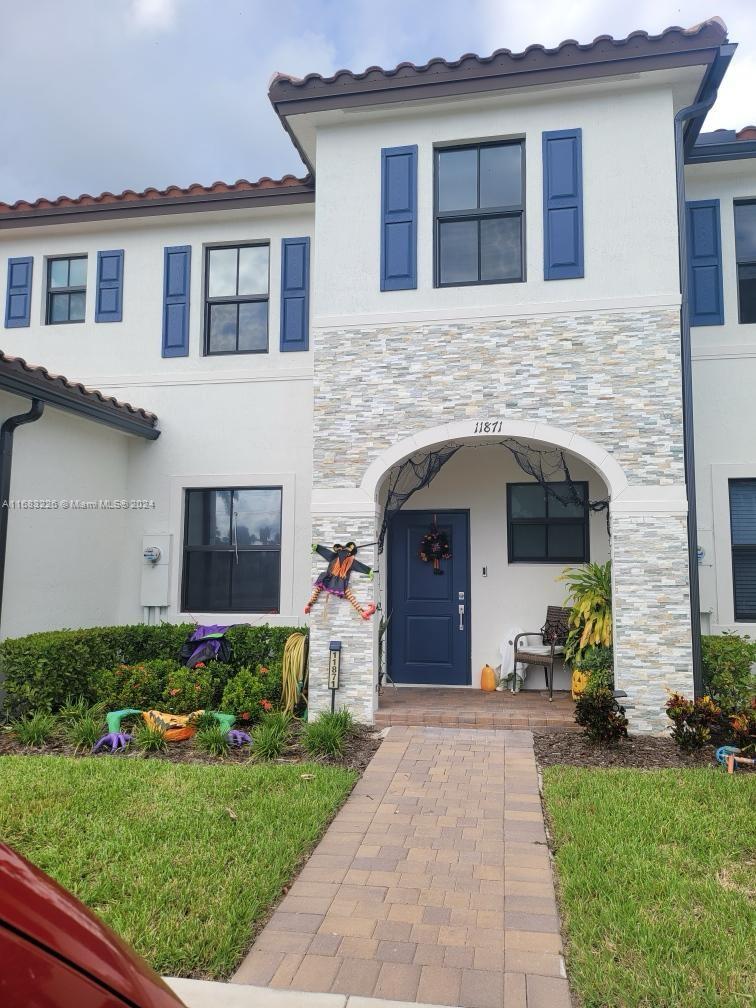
[461, 617]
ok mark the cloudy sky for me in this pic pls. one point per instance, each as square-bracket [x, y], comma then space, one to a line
[114, 94]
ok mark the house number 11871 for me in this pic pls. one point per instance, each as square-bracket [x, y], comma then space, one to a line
[488, 427]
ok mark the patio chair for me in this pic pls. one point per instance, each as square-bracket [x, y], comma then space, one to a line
[553, 636]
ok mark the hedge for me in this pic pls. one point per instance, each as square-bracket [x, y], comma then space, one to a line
[726, 661]
[41, 671]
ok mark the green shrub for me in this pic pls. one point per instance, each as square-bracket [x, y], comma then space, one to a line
[42, 670]
[270, 736]
[250, 693]
[212, 740]
[601, 716]
[73, 710]
[34, 730]
[204, 720]
[597, 662]
[696, 723]
[142, 685]
[188, 690]
[149, 740]
[82, 732]
[726, 662]
[326, 735]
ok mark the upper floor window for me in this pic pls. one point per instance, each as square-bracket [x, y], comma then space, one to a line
[66, 289]
[479, 214]
[236, 301]
[745, 249]
[547, 527]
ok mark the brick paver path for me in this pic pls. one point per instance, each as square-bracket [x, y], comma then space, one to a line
[466, 708]
[433, 884]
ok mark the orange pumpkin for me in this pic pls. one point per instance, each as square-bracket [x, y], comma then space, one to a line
[487, 679]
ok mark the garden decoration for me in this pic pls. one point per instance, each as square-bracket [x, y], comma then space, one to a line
[175, 727]
[732, 757]
[335, 578]
[435, 547]
[205, 644]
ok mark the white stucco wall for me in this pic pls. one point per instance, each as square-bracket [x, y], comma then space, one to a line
[628, 190]
[62, 563]
[724, 378]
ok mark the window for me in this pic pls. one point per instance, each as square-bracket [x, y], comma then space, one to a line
[542, 529]
[745, 252]
[66, 289]
[743, 538]
[232, 550]
[236, 307]
[479, 211]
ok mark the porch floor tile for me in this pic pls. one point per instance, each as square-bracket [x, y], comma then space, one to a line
[461, 910]
[473, 708]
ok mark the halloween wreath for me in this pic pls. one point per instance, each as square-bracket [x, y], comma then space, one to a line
[434, 548]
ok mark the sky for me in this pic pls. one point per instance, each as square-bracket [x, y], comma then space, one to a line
[106, 95]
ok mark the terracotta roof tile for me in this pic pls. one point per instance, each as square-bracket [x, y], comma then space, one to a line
[746, 133]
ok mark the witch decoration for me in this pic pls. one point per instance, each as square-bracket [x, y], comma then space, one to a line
[335, 578]
[435, 547]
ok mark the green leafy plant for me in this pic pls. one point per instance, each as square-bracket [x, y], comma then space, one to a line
[34, 730]
[149, 740]
[601, 716]
[742, 726]
[212, 740]
[726, 663]
[695, 722]
[204, 720]
[82, 732]
[252, 692]
[326, 735]
[73, 710]
[270, 736]
[589, 592]
[142, 685]
[188, 690]
[597, 662]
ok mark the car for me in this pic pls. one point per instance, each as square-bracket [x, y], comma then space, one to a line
[55, 953]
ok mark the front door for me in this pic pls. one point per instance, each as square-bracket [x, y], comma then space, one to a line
[429, 629]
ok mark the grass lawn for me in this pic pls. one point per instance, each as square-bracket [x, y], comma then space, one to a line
[657, 871]
[181, 860]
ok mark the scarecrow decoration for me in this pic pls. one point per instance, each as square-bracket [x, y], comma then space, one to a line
[175, 727]
[435, 547]
[335, 578]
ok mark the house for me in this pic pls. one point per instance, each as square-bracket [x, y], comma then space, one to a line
[479, 280]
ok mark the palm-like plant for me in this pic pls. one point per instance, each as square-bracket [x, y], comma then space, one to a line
[589, 592]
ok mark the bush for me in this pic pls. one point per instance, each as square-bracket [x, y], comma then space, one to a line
[73, 710]
[727, 675]
[42, 670]
[212, 740]
[250, 693]
[142, 685]
[327, 734]
[149, 740]
[82, 732]
[597, 662]
[695, 722]
[188, 690]
[270, 735]
[601, 716]
[34, 730]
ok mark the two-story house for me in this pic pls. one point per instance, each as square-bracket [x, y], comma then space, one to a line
[465, 319]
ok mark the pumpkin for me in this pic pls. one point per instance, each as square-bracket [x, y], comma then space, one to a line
[487, 679]
[579, 682]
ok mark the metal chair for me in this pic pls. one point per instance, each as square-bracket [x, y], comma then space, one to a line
[553, 636]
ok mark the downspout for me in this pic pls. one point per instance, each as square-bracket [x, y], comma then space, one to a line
[6, 458]
[687, 387]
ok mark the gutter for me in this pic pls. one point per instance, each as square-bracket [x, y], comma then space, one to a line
[6, 458]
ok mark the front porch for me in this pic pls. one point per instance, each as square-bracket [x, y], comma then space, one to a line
[473, 708]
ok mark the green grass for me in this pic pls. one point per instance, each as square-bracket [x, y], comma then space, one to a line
[183, 861]
[657, 871]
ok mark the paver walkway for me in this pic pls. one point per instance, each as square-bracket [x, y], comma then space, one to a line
[433, 884]
[468, 708]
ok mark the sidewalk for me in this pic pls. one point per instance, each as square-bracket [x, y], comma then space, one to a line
[433, 884]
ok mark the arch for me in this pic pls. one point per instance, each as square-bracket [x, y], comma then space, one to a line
[464, 431]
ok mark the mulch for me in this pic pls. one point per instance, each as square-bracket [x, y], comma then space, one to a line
[361, 744]
[641, 752]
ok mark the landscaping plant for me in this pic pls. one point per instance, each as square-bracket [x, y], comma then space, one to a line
[270, 736]
[326, 735]
[72, 710]
[589, 593]
[252, 692]
[696, 723]
[34, 730]
[601, 716]
[212, 740]
[142, 685]
[597, 663]
[149, 740]
[726, 664]
[82, 732]
[188, 690]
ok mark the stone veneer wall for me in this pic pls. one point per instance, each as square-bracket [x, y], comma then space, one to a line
[612, 377]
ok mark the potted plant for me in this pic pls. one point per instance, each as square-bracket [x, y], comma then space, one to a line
[589, 593]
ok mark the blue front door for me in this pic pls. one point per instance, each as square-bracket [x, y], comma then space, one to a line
[429, 635]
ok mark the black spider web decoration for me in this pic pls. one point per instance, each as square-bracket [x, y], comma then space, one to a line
[547, 466]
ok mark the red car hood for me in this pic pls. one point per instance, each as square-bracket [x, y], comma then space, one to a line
[35, 906]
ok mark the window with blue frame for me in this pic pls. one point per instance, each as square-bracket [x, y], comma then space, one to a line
[745, 251]
[743, 542]
[479, 201]
[66, 290]
[545, 527]
[236, 299]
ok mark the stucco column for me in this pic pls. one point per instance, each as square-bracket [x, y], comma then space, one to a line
[339, 518]
[651, 602]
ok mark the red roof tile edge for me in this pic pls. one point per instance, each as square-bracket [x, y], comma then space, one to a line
[172, 192]
[18, 363]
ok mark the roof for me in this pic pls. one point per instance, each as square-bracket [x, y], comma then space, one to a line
[174, 199]
[724, 145]
[674, 46]
[35, 382]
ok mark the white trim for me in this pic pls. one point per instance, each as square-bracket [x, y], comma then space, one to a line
[652, 499]
[107, 382]
[451, 314]
[720, 493]
[287, 482]
[734, 351]
[347, 501]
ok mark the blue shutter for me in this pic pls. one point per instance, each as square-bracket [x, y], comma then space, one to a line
[562, 204]
[109, 296]
[18, 300]
[295, 294]
[399, 218]
[704, 263]
[177, 272]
